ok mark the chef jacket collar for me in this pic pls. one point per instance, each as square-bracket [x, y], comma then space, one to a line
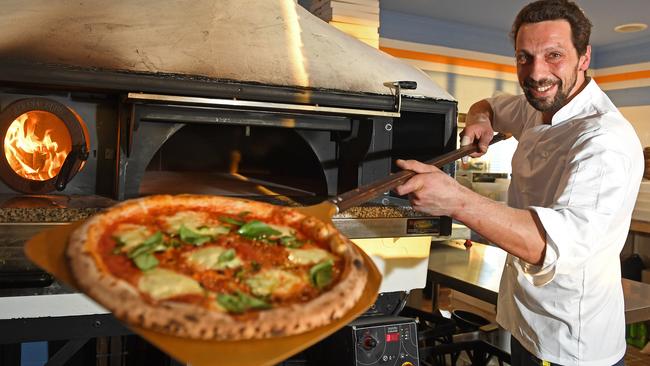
[581, 105]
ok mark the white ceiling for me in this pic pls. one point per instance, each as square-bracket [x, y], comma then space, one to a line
[499, 14]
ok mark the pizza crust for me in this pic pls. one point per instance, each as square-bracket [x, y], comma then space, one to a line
[187, 320]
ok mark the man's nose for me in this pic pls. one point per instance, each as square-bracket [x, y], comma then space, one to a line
[538, 68]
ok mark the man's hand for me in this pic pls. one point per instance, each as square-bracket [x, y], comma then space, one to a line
[430, 191]
[478, 127]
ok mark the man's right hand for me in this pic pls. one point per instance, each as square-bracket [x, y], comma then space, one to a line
[478, 127]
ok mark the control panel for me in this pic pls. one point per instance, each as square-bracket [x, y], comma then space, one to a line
[375, 340]
[386, 344]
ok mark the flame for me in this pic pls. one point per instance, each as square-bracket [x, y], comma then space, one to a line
[29, 155]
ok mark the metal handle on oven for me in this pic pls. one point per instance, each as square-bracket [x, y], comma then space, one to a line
[363, 194]
[398, 86]
[78, 153]
[255, 105]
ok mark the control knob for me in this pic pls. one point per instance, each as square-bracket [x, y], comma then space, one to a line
[368, 343]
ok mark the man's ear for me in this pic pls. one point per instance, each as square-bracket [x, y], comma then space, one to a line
[584, 60]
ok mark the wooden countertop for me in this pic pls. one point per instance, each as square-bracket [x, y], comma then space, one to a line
[640, 226]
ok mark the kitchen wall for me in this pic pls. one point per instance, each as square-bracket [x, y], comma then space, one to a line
[473, 63]
[624, 72]
[482, 67]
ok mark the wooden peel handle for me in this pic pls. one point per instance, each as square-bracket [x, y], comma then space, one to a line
[363, 194]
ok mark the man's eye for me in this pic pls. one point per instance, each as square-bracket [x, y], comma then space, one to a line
[555, 55]
[522, 59]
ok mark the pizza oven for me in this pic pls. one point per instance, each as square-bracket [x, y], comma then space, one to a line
[121, 112]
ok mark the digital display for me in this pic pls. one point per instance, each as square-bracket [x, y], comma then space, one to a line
[392, 337]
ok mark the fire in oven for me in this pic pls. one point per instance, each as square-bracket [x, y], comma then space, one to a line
[45, 144]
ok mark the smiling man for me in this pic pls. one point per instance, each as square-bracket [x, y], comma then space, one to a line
[576, 175]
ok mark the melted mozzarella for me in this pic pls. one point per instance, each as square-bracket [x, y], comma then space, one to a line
[199, 222]
[208, 258]
[131, 235]
[284, 230]
[275, 282]
[160, 283]
[308, 256]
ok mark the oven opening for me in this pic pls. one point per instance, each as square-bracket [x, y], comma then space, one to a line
[36, 144]
[234, 160]
[45, 144]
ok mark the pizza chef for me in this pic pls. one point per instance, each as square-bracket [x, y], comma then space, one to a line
[576, 174]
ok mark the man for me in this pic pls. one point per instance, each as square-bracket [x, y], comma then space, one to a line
[576, 174]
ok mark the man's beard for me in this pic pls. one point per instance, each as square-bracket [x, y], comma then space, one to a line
[546, 105]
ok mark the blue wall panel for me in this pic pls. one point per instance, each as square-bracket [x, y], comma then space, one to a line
[406, 27]
[632, 52]
[630, 97]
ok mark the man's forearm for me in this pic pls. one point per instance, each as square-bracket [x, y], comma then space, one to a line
[479, 112]
[516, 231]
[478, 126]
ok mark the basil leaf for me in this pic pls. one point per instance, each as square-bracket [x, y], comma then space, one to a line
[321, 274]
[150, 244]
[231, 303]
[226, 256]
[192, 237]
[240, 302]
[154, 239]
[145, 261]
[257, 230]
[139, 250]
[230, 220]
[291, 242]
[253, 302]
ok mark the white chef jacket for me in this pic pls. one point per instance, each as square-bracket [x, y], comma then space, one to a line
[580, 175]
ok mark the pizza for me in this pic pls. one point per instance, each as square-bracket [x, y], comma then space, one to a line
[216, 268]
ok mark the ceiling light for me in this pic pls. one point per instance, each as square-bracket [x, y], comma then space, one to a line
[630, 27]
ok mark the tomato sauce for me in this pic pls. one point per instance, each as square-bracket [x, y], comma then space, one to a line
[255, 255]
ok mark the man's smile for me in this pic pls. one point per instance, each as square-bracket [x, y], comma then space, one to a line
[543, 91]
[541, 86]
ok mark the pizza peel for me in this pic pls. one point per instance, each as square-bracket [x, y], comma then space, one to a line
[328, 208]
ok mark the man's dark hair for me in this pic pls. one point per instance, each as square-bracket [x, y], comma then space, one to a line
[543, 10]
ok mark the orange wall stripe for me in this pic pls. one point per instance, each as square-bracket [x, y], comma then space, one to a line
[493, 66]
[627, 76]
[448, 60]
